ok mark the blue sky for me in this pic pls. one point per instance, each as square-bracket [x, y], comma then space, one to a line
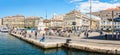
[39, 7]
[34, 7]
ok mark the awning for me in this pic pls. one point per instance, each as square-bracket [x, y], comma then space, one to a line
[32, 28]
[115, 19]
[118, 31]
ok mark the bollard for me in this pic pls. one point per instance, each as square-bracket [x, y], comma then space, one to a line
[68, 40]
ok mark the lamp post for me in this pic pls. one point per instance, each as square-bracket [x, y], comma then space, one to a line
[24, 22]
[46, 17]
[90, 14]
[112, 25]
[34, 23]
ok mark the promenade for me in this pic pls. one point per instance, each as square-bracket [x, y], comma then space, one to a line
[82, 43]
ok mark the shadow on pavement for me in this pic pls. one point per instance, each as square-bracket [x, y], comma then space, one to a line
[102, 37]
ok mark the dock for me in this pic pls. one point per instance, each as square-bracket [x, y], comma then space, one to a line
[91, 45]
[45, 45]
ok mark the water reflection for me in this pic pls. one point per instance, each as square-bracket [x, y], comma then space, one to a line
[65, 51]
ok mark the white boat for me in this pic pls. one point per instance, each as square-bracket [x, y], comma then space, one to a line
[4, 29]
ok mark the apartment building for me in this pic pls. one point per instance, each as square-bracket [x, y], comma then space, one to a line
[105, 15]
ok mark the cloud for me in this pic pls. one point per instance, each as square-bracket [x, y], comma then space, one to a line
[115, 0]
[72, 1]
[96, 6]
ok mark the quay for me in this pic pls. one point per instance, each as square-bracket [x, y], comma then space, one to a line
[100, 46]
[91, 45]
[44, 45]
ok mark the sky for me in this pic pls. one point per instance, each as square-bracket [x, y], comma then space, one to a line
[40, 8]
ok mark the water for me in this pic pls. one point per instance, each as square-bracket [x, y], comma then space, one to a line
[10, 45]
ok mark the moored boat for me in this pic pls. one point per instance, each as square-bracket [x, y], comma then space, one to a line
[4, 29]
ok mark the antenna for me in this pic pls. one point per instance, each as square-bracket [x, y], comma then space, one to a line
[46, 14]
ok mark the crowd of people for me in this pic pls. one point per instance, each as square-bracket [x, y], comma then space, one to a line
[25, 33]
[60, 33]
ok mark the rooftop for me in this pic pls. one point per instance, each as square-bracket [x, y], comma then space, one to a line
[116, 8]
[74, 12]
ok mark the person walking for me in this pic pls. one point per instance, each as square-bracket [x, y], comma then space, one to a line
[35, 34]
[116, 35]
[25, 33]
[79, 34]
[87, 35]
[101, 33]
[119, 35]
[106, 36]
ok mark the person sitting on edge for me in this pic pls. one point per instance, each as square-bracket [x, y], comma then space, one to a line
[43, 38]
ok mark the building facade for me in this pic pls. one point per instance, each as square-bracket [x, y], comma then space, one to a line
[32, 22]
[41, 25]
[14, 21]
[75, 20]
[56, 22]
[107, 14]
[95, 24]
[1, 22]
[47, 23]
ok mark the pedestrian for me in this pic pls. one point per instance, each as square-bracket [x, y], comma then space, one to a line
[87, 34]
[101, 32]
[106, 36]
[35, 34]
[59, 34]
[31, 31]
[117, 35]
[43, 35]
[25, 33]
[68, 34]
[79, 34]
[30, 35]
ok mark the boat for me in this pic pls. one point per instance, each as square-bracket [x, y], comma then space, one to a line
[4, 29]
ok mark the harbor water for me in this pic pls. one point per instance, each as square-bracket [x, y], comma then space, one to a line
[10, 45]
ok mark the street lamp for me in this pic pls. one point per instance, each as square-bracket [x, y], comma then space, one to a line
[90, 14]
[112, 25]
[34, 23]
[24, 22]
